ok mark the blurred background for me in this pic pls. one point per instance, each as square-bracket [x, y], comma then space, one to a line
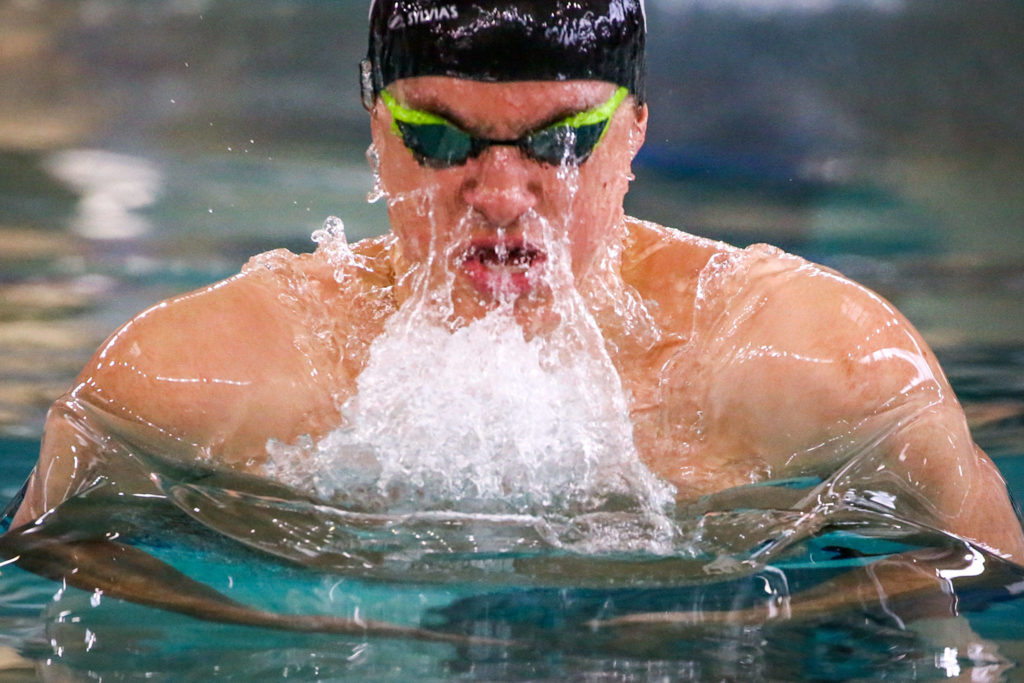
[148, 147]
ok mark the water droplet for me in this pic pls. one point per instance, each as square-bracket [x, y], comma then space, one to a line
[332, 229]
[377, 192]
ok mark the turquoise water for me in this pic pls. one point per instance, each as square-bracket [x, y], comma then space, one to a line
[515, 608]
[149, 148]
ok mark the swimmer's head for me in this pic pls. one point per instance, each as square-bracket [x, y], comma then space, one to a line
[506, 40]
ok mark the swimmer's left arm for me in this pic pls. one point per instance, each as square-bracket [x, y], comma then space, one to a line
[822, 368]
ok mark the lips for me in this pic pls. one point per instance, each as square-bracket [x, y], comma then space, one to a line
[502, 268]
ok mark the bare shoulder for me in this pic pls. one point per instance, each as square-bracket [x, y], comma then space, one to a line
[664, 266]
[789, 311]
[828, 351]
[779, 352]
[759, 321]
[809, 370]
[223, 368]
[213, 374]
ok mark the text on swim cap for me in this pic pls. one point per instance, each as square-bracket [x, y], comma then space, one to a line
[422, 16]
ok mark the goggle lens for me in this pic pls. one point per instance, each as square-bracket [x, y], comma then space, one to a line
[437, 143]
[564, 144]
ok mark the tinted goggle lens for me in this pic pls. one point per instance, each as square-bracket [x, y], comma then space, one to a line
[436, 144]
[439, 144]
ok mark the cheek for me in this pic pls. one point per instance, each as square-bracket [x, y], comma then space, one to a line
[406, 214]
[399, 172]
[419, 201]
[398, 176]
[598, 199]
[596, 212]
[412, 189]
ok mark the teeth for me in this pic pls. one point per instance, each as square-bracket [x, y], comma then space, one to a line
[510, 265]
[516, 258]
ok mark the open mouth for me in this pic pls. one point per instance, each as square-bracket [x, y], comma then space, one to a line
[502, 268]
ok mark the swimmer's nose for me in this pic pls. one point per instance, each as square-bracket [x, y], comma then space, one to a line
[498, 185]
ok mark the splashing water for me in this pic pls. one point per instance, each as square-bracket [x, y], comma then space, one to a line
[479, 419]
[377, 192]
[475, 415]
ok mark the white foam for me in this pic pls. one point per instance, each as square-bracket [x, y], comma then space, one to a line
[478, 419]
[466, 414]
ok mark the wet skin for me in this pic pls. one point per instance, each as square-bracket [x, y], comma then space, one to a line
[740, 365]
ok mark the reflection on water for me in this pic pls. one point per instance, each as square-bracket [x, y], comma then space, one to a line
[112, 188]
[844, 593]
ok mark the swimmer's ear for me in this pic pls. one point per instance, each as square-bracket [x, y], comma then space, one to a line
[639, 132]
[379, 120]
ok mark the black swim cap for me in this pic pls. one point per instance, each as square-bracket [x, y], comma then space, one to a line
[506, 40]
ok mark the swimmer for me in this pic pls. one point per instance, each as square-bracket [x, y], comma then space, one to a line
[503, 134]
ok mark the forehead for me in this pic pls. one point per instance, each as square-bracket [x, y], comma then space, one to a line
[497, 108]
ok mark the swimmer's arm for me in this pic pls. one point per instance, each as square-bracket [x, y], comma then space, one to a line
[207, 376]
[821, 365]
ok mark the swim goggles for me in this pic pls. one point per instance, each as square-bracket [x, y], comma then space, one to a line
[438, 143]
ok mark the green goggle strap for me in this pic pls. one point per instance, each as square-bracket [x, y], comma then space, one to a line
[418, 117]
[598, 114]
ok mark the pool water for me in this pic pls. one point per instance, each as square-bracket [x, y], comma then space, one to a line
[130, 172]
[505, 604]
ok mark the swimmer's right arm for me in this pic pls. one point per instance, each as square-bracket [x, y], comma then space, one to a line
[208, 375]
